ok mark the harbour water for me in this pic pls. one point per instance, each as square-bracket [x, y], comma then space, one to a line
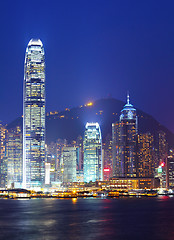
[83, 219]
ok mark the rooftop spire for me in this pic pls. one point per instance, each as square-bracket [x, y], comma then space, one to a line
[128, 101]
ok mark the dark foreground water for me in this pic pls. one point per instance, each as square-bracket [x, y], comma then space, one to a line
[118, 219]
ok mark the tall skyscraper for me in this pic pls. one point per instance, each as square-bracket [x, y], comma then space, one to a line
[145, 156]
[93, 166]
[34, 115]
[125, 140]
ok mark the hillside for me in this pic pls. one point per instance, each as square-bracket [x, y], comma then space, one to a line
[70, 123]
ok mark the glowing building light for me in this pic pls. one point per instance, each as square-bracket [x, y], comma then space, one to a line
[106, 170]
[89, 104]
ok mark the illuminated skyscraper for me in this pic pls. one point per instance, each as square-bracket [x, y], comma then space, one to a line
[125, 142]
[34, 115]
[145, 155]
[93, 167]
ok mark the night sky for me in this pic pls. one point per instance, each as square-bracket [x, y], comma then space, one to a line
[94, 49]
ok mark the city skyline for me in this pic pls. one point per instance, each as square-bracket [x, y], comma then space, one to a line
[118, 45]
[79, 159]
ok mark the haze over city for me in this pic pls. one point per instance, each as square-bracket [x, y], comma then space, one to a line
[94, 49]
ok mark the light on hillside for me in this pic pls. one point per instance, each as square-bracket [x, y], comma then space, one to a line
[89, 104]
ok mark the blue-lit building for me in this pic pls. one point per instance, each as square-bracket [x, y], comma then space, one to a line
[92, 145]
[34, 115]
[124, 137]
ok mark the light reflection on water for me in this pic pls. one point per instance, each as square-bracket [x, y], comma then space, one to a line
[78, 219]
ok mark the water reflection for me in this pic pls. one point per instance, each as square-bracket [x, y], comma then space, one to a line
[85, 219]
[74, 200]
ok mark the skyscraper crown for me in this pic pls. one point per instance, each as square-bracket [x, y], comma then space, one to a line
[128, 111]
[37, 42]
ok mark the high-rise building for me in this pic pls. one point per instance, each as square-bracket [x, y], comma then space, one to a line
[125, 142]
[3, 158]
[145, 155]
[34, 115]
[162, 174]
[170, 170]
[162, 147]
[2, 140]
[107, 165]
[116, 160]
[93, 166]
[70, 164]
[53, 156]
[14, 157]
[79, 144]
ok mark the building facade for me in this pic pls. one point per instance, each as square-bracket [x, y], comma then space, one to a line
[125, 142]
[70, 159]
[170, 170]
[107, 156]
[92, 145]
[34, 115]
[14, 157]
[3, 158]
[53, 157]
[162, 147]
[145, 163]
[116, 160]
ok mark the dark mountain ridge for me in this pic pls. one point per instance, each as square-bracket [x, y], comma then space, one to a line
[70, 123]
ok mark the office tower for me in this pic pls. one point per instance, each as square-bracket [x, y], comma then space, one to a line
[69, 164]
[2, 140]
[47, 173]
[92, 145]
[162, 147]
[51, 165]
[125, 142]
[53, 156]
[145, 155]
[14, 157]
[170, 170]
[116, 160]
[3, 159]
[34, 115]
[79, 145]
[161, 173]
[107, 164]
